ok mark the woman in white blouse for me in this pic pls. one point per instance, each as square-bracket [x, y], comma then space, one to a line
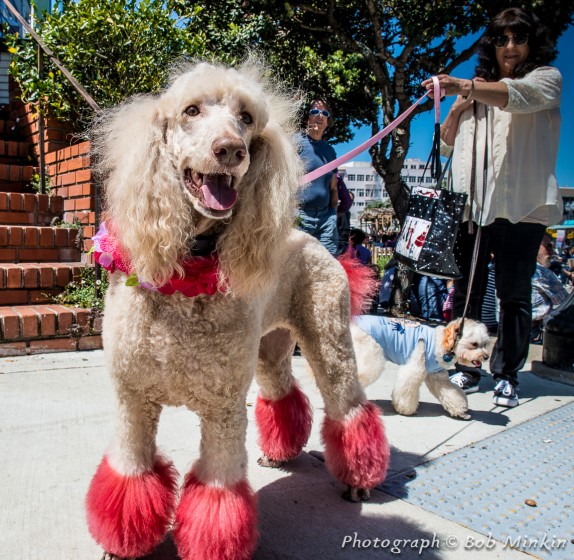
[509, 116]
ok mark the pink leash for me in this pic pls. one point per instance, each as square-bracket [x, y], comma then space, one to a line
[368, 143]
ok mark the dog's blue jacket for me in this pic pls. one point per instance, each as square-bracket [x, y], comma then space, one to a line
[398, 339]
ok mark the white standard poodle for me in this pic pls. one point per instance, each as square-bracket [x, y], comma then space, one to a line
[209, 287]
[424, 353]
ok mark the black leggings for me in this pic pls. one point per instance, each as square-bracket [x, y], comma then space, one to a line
[514, 248]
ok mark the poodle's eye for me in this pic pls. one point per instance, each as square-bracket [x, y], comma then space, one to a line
[246, 117]
[475, 344]
[192, 111]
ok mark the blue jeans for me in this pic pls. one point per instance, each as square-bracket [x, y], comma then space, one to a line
[432, 295]
[322, 225]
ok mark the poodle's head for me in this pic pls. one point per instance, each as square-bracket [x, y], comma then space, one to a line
[213, 118]
[469, 347]
[214, 154]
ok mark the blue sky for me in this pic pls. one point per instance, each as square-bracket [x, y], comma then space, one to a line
[422, 126]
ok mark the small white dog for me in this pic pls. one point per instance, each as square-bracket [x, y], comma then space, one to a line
[424, 353]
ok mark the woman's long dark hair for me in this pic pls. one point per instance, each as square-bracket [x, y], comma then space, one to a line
[542, 48]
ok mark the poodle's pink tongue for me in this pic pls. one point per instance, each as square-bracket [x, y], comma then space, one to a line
[218, 192]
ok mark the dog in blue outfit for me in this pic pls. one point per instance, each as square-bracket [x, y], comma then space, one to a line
[424, 353]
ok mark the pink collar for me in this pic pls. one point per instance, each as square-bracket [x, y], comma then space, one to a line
[200, 273]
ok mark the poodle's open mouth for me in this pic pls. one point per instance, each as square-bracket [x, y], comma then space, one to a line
[476, 363]
[215, 191]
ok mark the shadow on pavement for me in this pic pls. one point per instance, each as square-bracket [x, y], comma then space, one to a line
[303, 516]
[433, 410]
[301, 519]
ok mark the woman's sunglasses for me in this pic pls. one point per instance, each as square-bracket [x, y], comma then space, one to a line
[519, 39]
[317, 112]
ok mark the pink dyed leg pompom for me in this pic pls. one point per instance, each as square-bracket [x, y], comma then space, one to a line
[216, 522]
[356, 449]
[130, 515]
[284, 424]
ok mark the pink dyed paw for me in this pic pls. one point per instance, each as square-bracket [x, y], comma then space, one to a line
[130, 515]
[214, 522]
[356, 448]
[284, 425]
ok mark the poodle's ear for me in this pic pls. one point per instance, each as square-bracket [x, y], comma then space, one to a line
[149, 219]
[250, 248]
[450, 336]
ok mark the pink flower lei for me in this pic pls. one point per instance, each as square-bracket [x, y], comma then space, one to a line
[200, 272]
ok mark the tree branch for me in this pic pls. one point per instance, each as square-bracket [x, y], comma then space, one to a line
[465, 55]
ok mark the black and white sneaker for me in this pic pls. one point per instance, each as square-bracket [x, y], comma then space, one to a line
[505, 394]
[467, 380]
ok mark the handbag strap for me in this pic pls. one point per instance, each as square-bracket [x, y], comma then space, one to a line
[442, 175]
[437, 172]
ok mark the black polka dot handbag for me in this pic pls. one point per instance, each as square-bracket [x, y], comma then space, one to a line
[429, 231]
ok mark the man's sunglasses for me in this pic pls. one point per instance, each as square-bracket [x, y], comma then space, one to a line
[519, 39]
[317, 112]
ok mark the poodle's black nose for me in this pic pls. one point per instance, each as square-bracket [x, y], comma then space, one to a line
[229, 151]
[485, 357]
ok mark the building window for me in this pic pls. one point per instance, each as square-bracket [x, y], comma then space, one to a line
[412, 179]
[421, 166]
[429, 179]
[413, 166]
[360, 177]
[360, 192]
[351, 177]
[368, 177]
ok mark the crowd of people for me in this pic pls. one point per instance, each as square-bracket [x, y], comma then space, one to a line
[502, 133]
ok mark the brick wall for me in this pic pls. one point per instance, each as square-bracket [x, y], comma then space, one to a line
[71, 178]
[24, 117]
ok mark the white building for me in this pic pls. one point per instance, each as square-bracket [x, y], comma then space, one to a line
[413, 171]
[368, 186]
[364, 183]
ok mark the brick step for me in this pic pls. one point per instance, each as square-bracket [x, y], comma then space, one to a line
[29, 208]
[13, 148]
[35, 283]
[25, 244]
[35, 329]
[16, 173]
[37, 237]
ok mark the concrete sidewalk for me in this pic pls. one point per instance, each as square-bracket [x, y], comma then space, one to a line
[56, 418]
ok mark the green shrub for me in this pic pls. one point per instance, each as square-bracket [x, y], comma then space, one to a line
[114, 48]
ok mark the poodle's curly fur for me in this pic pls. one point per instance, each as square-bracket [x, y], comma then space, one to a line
[214, 156]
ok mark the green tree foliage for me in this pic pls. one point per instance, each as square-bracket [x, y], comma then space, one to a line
[232, 29]
[114, 48]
